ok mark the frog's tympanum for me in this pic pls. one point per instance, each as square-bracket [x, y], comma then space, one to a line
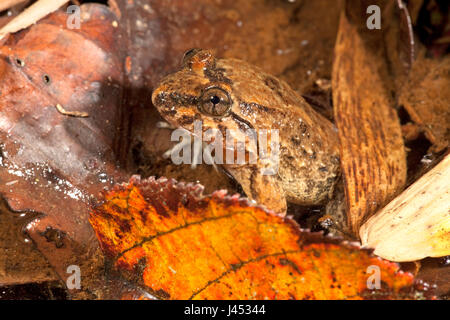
[235, 98]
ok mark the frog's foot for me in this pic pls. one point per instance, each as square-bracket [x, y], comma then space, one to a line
[186, 142]
[335, 219]
[164, 125]
[262, 188]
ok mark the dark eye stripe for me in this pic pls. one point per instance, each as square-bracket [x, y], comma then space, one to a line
[168, 112]
[244, 125]
[185, 120]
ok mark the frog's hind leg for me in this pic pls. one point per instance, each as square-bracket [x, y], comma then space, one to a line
[264, 189]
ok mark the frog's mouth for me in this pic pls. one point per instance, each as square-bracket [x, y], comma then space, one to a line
[241, 122]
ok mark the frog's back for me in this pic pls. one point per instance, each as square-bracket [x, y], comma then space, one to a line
[309, 156]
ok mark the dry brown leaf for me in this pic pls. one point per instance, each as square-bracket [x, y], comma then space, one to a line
[373, 158]
[426, 98]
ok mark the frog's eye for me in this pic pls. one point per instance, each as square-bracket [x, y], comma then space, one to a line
[215, 102]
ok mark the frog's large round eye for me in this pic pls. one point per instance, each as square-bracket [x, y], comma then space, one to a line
[215, 102]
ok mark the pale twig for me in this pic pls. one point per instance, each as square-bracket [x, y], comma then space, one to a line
[31, 15]
[77, 114]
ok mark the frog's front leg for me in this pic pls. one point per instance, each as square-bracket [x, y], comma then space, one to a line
[262, 188]
[198, 149]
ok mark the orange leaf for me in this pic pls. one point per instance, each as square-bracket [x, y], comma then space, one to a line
[179, 244]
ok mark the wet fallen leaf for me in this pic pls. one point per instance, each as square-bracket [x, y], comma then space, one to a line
[178, 244]
[437, 271]
[19, 262]
[50, 162]
[426, 98]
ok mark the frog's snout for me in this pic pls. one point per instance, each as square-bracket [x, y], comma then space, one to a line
[155, 97]
[161, 100]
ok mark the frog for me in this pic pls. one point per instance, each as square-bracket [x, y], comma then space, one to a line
[234, 97]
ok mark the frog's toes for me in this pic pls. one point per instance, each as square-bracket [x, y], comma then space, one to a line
[184, 144]
[164, 125]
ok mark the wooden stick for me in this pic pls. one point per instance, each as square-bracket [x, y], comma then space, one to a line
[416, 224]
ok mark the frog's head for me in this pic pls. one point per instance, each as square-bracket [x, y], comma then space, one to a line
[204, 90]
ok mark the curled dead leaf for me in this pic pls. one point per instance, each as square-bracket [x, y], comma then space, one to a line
[416, 224]
[50, 162]
[373, 158]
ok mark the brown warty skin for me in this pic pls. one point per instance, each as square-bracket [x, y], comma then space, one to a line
[231, 94]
